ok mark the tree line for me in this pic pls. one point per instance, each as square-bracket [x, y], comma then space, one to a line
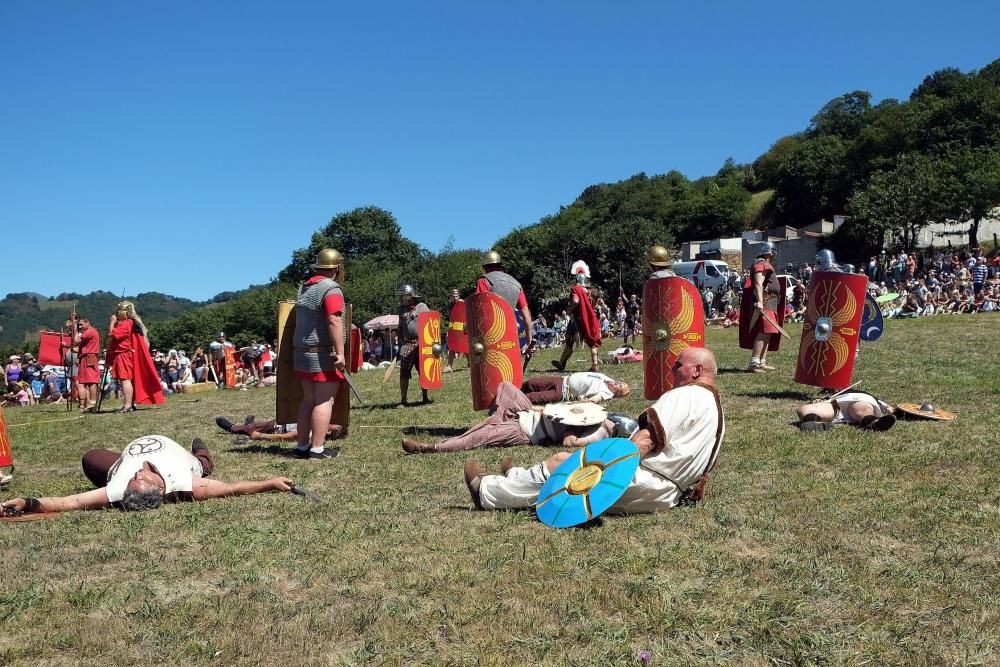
[893, 167]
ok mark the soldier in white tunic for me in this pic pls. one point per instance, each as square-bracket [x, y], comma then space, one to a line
[678, 438]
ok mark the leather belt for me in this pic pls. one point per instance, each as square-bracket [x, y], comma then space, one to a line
[316, 349]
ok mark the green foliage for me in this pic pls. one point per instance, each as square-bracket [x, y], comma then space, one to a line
[252, 315]
[24, 314]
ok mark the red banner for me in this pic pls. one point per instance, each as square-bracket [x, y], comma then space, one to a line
[429, 366]
[831, 328]
[458, 338]
[494, 355]
[52, 347]
[673, 319]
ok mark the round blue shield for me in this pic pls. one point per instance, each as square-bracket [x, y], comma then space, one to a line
[872, 323]
[587, 483]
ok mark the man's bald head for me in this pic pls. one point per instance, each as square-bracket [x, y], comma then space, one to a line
[695, 364]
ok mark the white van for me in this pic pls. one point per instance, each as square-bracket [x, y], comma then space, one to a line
[702, 272]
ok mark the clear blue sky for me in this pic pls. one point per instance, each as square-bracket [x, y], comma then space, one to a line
[147, 133]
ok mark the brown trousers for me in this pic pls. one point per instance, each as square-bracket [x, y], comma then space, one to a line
[500, 429]
[544, 389]
[98, 462]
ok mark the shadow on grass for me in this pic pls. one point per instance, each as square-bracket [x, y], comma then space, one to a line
[723, 371]
[443, 431]
[776, 394]
[274, 450]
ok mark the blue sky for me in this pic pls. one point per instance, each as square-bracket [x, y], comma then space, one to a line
[139, 139]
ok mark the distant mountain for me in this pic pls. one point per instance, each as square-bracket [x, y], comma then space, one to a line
[23, 314]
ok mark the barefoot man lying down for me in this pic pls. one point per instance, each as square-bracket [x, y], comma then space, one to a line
[149, 471]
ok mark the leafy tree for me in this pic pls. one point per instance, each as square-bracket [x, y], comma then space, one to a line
[972, 189]
[814, 182]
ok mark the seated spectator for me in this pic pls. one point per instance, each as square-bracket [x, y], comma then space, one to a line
[50, 388]
[184, 379]
[200, 365]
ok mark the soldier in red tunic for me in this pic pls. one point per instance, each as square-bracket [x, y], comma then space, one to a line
[89, 375]
[763, 289]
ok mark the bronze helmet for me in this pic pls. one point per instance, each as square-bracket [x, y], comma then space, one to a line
[658, 256]
[490, 258]
[328, 258]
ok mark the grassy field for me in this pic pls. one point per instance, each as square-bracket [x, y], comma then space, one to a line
[840, 548]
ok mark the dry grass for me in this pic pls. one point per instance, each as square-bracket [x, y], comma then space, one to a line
[843, 548]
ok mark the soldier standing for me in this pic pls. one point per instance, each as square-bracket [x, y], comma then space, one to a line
[762, 289]
[501, 283]
[583, 324]
[410, 307]
[319, 357]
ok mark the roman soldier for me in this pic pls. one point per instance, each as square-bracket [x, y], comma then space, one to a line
[762, 289]
[410, 307]
[318, 350]
[659, 262]
[501, 283]
[454, 299]
[89, 374]
[128, 356]
[583, 323]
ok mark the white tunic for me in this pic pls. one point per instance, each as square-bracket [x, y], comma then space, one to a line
[582, 386]
[172, 462]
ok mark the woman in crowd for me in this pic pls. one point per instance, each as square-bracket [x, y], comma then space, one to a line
[13, 370]
[170, 367]
[200, 364]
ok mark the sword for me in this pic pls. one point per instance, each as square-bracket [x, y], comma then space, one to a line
[354, 390]
[844, 391]
[760, 313]
[299, 491]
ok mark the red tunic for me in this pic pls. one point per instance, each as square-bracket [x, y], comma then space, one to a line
[90, 348]
[763, 325]
[586, 318]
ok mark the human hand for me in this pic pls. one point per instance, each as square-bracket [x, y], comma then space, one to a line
[281, 484]
[12, 507]
[338, 361]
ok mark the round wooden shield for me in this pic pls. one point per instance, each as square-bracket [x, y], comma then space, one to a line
[494, 355]
[673, 318]
[872, 323]
[925, 412]
[830, 331]
[587, 483]
[458, 338]
[578, 413]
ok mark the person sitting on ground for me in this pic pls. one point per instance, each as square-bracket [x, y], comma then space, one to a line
[589, 386]
[272, 430]
[151, 470]
[50, 388]
[185, 379]
[678, 438]
[514, 421]
[854, 407]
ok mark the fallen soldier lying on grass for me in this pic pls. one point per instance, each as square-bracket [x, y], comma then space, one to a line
[855, 407]
[678, 439]
[515, 421]
[150, 470]
[272, 431]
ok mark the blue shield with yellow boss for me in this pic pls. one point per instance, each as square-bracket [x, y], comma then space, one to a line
[587, 483]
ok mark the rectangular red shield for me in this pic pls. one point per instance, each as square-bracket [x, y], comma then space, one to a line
[51, 346]
[458, 338]
[494, 356]
[429, 366]
[831, 329]
[6, 456]
[357, 355]
[673, 318]
[230, 365]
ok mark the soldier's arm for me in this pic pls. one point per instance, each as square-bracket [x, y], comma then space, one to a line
[78, 501]
[758, 289]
